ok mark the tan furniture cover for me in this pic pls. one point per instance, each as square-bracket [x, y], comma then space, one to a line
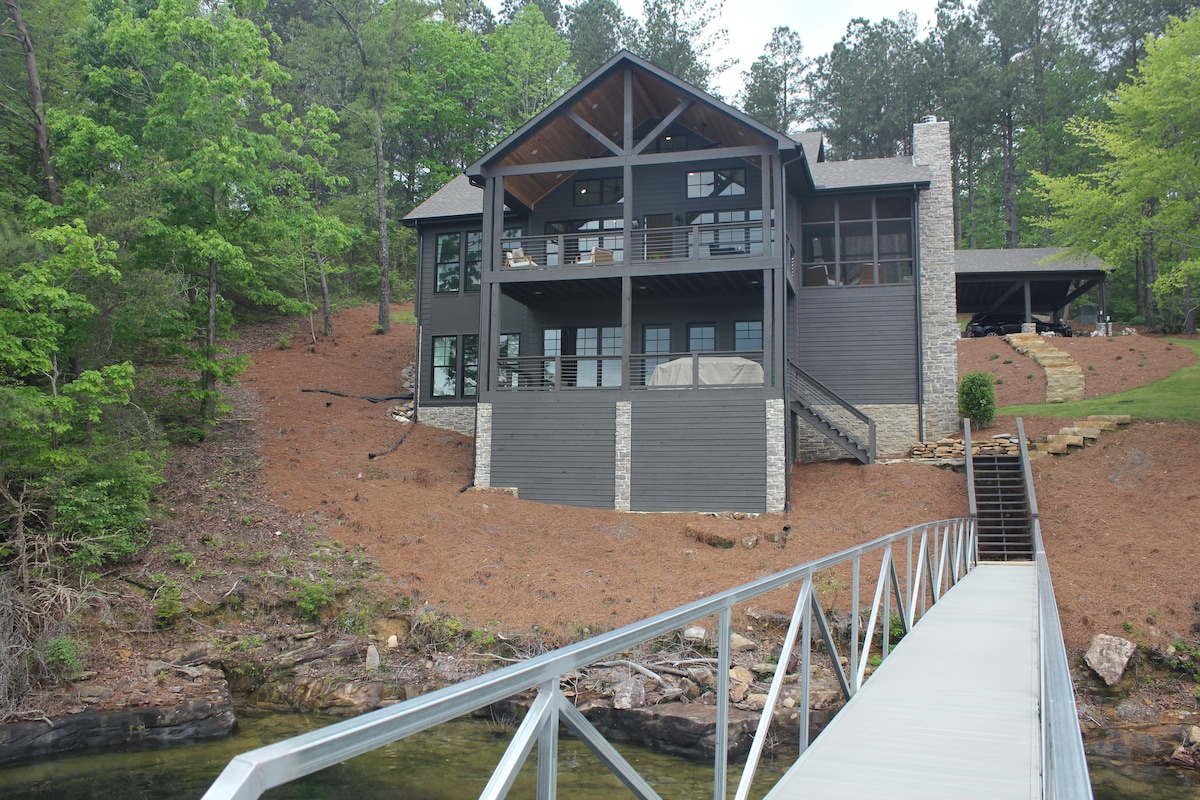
[714, 371]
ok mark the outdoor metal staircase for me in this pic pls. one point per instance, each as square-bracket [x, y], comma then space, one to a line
[837, 420]
[999, 500]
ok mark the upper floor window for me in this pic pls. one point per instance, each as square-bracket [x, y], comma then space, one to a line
[672, 142]
[857, 241]
[584, 234]
[702, 338]
[458, 261]
[716, 183]
[599, 191]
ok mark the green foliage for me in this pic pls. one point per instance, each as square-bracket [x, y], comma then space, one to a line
[168, 604]
[775, 81]
[977, 398]
[63, 655]
[1172, 398]
[313, 598]
[677, 36]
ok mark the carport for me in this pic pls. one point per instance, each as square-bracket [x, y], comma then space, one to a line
[1023, 281]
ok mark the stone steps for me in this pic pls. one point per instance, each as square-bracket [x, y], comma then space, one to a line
[1064, 378]
[1082, 433]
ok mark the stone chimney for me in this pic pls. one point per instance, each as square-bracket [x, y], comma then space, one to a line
[939, 328]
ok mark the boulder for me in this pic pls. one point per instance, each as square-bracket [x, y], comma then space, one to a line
[1108, 656]
[740, 644]
[629, 693]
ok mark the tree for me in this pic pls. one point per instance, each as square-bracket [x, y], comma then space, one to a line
[869, 90]
[532, 66]
[674, 35]
[1117, 30]
[594, 32]
[379, 34]
[775, 81]
[1143, 202]
[183, 108]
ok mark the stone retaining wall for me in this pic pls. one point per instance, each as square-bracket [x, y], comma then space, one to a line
[460, 419]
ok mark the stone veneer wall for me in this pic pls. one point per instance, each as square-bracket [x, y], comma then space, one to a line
[624, 471]
[776, 456]
[896, 431]
[460, 419]
[483, 445]
[939, 330]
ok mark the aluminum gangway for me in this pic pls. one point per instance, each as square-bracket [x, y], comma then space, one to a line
[900, 579]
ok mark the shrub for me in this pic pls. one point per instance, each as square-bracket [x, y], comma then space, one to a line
[63, 654]
[313, 598]
[168, 604]
[977, 398]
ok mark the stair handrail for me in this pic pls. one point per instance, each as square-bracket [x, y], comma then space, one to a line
[972, 508]
[809, 391]
[1026, 472]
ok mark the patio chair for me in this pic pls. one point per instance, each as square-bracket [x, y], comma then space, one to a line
[516, 259]
[597, 255]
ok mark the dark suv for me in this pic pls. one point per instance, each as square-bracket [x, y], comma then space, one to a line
[1000, 324]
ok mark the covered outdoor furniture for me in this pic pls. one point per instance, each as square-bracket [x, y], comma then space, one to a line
[714, 371]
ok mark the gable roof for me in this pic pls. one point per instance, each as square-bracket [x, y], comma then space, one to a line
[813, 143]
[566, 130]
[456, 199]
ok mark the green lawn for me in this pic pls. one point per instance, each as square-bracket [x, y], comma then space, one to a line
[1173, 398]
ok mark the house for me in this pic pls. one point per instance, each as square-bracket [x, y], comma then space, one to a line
[645, 300]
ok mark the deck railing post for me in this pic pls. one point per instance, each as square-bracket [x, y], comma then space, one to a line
[721, 754]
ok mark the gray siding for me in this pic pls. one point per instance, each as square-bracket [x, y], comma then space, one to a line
[860, 342]
[704, 452]
[556, 448]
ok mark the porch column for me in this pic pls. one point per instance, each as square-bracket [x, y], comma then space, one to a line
[626, 330]
[623, 479]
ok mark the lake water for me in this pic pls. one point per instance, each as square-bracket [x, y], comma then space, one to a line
[452, 761]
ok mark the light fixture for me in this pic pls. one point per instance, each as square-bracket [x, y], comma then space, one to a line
[533, 152]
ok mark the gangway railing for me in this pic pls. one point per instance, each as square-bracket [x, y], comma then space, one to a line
[916, 566]
[1064, 763]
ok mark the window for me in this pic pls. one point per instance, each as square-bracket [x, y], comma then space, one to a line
[599, 191]
[448, 369]
[507, 375]
[602, 344]
[470, 366]
[474, 261]
[702, 338]
[656, 339]
[458, 261]
[748, 335]
[857, 241]
[716, 183]
[446, 256]
[445, 366]
[729, 238]
[672, 142]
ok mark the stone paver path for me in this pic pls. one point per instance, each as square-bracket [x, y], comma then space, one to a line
[1064, 378]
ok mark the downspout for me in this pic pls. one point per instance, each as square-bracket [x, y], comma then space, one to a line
[789, 449]
[920, 318]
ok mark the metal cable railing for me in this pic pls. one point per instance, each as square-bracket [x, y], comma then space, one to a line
[916, 567]
[826, 405]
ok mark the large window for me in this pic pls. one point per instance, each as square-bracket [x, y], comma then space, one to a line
[731, 238]
[455, 366]
[716, 183]
[602, 344]
[599, 192]
[458, 261]
[859, 241]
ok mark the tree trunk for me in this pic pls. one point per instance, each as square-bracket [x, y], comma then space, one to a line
[1189, 308]
[971, 190]
[381, 187]
[326, 312]
[208, 407]
[1012, 236]
[41, 133]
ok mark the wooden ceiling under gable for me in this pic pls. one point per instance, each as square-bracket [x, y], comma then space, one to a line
[559, 139]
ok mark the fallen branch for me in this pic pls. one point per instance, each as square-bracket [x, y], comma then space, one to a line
[636, 668]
